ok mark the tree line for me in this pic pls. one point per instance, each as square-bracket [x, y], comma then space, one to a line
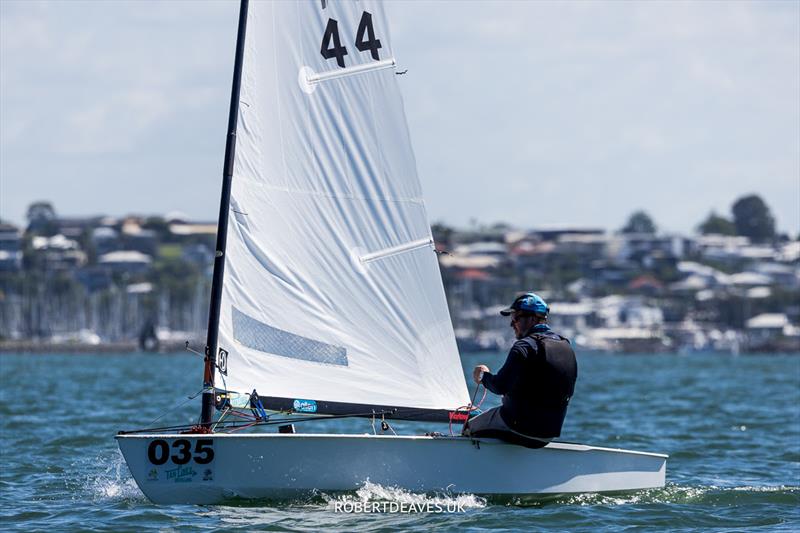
[750, 217]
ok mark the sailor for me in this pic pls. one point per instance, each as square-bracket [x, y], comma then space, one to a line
[537, 380]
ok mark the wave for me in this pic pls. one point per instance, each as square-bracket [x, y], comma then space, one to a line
[379, 498]
[108, 480]
[674, 493]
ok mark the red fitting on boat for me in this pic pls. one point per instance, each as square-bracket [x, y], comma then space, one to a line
[199, 428]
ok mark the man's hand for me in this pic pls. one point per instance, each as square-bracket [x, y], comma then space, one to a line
[477, 373]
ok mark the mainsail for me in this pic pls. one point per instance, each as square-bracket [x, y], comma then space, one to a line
[332, 295]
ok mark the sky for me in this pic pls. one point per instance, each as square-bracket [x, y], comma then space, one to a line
[530, 113]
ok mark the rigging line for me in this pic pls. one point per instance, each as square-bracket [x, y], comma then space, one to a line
[271, 422]
[478, 407]
[471, 404]
[190, 349]
[220, 419]
[241, 413]
[237, 428]
[184, 402]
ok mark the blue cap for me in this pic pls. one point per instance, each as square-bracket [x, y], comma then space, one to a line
[530, 302]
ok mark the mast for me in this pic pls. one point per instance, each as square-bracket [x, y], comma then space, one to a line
[222, 227]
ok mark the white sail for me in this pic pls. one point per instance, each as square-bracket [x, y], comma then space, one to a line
[332, 291]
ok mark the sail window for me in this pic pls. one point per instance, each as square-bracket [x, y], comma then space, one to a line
[255, 334]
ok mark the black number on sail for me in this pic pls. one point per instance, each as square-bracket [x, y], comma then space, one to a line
[158, 452]
[332, 45]
[183, 447]
[371, 43]
[204, 453]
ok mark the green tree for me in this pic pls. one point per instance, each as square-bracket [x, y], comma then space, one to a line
[160, 226]
[42, 218]
[639, 222]
[442, 233]
[716, 224]
[753, 219]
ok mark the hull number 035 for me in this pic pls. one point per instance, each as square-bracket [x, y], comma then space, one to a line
[159, 451]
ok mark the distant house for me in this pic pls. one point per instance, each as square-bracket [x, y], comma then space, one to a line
[711, 276]
[646, 284]
[474, 286]
[469, 261]
[529, 254]
[621, 311]
[782, 274]
[767, 322]
[490, 248]
[692, 283]
[139, 288]
[481, 234]
[105, 240]
[10, 248]
[647, 249]
[188, 229]
[572, 317]
[138, 239]
[555, 233]
[187, 233]
[789, 252]
[698, 278]
[76, 227]
[58, 252]
[749, 279]
[130, 261]
[737, 250]
[767, 329]
[615, 274]
[584, 245]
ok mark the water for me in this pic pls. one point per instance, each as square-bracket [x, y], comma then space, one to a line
[730, 424]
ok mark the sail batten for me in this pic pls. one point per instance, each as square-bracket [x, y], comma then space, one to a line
[317, 77]
[331, 287]
[394, 250]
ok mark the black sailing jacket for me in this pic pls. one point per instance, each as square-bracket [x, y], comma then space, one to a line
[537, 381]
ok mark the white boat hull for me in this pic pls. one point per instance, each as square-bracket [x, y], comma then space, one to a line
[205, 469]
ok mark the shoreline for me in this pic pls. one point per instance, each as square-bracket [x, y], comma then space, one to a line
[37, 347]
[170, 347]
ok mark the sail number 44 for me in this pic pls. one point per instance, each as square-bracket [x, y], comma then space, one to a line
[365, 40]
[159, 451]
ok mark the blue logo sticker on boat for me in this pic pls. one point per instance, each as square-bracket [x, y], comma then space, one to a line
[181, 474]
[305, 406]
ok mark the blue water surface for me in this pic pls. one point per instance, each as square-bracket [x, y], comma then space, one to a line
[731, 426]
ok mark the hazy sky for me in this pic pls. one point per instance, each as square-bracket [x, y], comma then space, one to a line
[533, 113]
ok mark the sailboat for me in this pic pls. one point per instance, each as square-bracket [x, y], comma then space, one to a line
[327, 299]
